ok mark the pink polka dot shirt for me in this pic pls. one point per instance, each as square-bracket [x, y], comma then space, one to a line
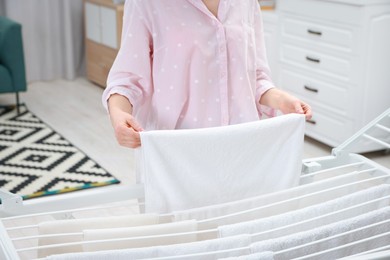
[182, 67]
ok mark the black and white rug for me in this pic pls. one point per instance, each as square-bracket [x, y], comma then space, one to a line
[36, 161]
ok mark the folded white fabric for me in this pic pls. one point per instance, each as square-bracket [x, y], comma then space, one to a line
[78, 225]
[262, 200]
[289, 205]
[163, 251]
[315, 211]
[142, 236]
[184, 169]
[301, 238]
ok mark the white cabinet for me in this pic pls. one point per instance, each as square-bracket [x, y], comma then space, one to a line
[103, 26]
[92, 22]
[335, 54]
[270, 21]
[109, 27]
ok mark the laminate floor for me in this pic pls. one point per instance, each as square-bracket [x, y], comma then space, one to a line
[74, 109]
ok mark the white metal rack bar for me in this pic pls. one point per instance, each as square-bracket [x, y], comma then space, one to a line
[378, 122]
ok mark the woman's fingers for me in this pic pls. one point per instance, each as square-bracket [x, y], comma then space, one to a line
[134, 124]
[126, 129]
[128, 137]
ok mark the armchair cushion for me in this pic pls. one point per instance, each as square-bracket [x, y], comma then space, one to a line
[12, 67]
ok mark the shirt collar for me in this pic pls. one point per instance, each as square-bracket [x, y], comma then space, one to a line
[222, 9]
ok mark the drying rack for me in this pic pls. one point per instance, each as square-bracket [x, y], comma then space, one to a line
[20, 216]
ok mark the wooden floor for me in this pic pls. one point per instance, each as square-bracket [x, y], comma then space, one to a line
[74, 109]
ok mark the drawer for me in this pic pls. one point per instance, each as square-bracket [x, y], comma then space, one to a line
[334, 97]
[334, 11]
[99, 53]
[317, 62]
[99, 61]
[97, 73]
[316, 33]
[328, 129]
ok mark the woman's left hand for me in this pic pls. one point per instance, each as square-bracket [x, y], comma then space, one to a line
[291, 104]
[285, 102]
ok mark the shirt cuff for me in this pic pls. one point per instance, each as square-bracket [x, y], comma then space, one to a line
[264, 86]
[121, 90]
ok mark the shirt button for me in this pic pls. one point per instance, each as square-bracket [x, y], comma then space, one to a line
[222, 49]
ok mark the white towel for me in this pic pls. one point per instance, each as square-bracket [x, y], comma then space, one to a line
[161, 251]
[210, 255]
[289, 205]
[143, 236]
[354, 248]
[337, 240]
[369, 254]
[266, 255]
[377, 253]
[264, 224]
[78, 225]
[305, 237]
[191, 168]
[323, 220]
[258, 201]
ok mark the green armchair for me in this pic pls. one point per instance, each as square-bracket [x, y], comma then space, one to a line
[12, 68]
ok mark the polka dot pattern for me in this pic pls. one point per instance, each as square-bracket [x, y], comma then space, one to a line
[180, 66]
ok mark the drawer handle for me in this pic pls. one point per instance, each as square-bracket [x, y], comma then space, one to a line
[313, 59]
[310, 121]
[310, 31]
[311, 89]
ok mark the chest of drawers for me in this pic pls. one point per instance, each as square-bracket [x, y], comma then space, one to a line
[270, 22]
[335, 55]
[103, 27]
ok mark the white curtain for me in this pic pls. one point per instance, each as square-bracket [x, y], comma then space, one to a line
[2, 8]
[52, 36]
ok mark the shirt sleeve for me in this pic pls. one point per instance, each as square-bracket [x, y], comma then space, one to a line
[130, 74]
[263, 72]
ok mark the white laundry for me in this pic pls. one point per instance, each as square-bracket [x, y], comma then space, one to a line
[142, 236]
[359, 246]
[291, 204]
[184, 169]
[161, 251]
[301, 238]
[317, 210]
[337, 240]
[78, 225]
[266, 255]
[262, 200]
[210, 255]
[377, 253]
[323, 220]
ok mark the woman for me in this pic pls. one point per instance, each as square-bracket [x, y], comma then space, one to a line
[191, 64]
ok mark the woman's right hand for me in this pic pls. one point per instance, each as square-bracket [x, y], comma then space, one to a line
[125, 126]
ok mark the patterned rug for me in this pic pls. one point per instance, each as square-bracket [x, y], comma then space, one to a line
[36, 161]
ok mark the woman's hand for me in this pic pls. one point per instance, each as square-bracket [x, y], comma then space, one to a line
[125, 126]
[290, 104]
[285, 102]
